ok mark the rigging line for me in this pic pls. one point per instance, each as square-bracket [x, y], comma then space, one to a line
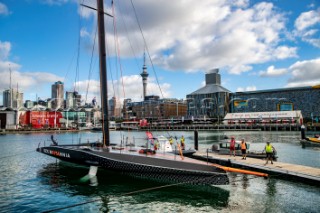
[71, 62]
[91, 60]
[109, 65]
[117, 47]
[69, 67]
[128, 193]
[117, 51]
[128, 36]
[78, 53]
[146, 46]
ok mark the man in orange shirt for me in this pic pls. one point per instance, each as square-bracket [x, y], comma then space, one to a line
[243, 149]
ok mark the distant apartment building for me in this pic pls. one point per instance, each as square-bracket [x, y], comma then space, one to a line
[57, 92]
[154, 108]
[127, 108]
[12, 98]
[114, 108]
[29, 104]
[73, 100]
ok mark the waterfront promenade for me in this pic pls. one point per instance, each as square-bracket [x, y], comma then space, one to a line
[227, 127]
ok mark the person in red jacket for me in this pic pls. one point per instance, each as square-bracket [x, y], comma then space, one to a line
[233, 146]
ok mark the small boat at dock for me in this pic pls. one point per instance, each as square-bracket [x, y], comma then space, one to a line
[223, 148]
[165, 146]
[310, 141]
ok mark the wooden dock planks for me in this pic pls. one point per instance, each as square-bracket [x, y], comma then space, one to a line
[280, 169]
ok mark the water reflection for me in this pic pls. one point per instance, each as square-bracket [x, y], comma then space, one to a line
[271, 187]
[65, 177]
[245, 181]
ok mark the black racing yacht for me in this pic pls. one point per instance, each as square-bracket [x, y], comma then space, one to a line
[144, 163]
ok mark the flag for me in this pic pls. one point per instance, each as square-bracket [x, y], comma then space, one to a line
[94, 101]
[149, 135]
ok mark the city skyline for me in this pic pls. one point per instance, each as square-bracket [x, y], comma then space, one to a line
[257, 45]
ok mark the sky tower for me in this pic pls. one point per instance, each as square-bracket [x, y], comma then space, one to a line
[144, 76]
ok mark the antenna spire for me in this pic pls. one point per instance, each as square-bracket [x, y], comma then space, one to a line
[144, 76]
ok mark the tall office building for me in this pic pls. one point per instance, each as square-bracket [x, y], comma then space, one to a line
[12, 98]
[73, 99]
[57, 91]
[114, 108]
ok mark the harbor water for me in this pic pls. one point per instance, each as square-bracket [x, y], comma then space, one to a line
[33, 182]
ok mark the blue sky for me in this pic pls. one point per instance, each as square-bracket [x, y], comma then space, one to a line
[256, 45]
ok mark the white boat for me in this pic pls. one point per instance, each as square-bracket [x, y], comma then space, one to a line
[164, 145]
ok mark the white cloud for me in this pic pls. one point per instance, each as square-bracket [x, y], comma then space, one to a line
[54, 2]
[224, 34]
[86, 12]
[305, 73]
[315, 42]
[5, 48]
[238, 69]
[26, 81]
[307, 19]
[272, 72]
[84, 32]
[283, 52]
[307, 25]
[248, 88]
[240, 3]
[4, 9]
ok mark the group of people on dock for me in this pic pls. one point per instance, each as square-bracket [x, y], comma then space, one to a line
[268, 149]
[182, 142]
[243, 148]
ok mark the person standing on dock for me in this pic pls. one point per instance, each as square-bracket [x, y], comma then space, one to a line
[233, 146]
[156, 145]
[269, 150]
[243, 149]
[182, 143]
[171, 140]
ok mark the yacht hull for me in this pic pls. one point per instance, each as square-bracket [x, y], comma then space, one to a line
[143, 166]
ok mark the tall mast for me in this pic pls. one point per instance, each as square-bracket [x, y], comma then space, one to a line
[103, 74]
